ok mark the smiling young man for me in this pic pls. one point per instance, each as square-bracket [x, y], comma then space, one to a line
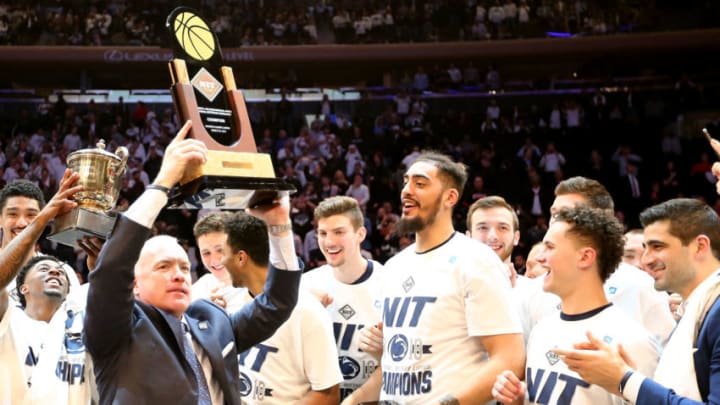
[47, 331]
[492, 221]
[449, 325]
[581, 248]
[682, 240]
[628, 289]
[298, 363]
[42, 285]
[20, 203]
[217, 285]
[351, 283]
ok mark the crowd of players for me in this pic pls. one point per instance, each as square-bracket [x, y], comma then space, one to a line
[445, 320]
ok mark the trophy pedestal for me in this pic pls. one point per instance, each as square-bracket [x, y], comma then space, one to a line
[79, 223]
[230, 180]
[228, 192]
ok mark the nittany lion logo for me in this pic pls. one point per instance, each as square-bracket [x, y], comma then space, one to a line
[349, 367]
[398, 347]
[73, 333]
[245, 385]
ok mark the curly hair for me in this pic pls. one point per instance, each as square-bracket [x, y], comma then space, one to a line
[21, 188]
[601, 231]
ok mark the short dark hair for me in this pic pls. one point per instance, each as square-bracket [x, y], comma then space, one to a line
[21, 188]
[248, 233]
[25, 270]
[493, 201]
[601, 231]
[340, 205]
[595, 193]
[213, 222]
[688, 218]
[453, 174]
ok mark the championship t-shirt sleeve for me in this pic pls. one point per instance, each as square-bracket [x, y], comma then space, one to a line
[319, 351]
[487, 298]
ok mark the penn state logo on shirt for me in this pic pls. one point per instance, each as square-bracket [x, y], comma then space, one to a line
[408, 284]
[245, 385]
[73, 333]
[398, 347]
[349, 367]
[346, 311]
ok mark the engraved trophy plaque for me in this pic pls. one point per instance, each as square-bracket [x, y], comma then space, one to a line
[101, 174]
[235, 174]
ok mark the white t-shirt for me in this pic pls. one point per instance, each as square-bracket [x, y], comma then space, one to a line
[532, 302]
[548, 379]
[354, 306]
[299, 357]
[63, 369]
[16, 347]
[436, 305]
[234, 297]
[632, 290]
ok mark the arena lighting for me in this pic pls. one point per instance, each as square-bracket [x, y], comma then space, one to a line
[552, 34]
[76, 96]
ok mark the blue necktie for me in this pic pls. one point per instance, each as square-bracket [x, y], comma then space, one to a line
[203, 390]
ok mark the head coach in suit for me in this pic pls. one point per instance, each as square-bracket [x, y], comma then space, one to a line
[148, 343]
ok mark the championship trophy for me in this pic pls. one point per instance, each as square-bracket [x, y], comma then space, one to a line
[101, 174]
[235, 175]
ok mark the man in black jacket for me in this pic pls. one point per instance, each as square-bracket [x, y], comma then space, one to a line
[149, 344]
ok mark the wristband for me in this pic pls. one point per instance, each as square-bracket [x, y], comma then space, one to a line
[159, 188]
[624, 380]
[275, 229]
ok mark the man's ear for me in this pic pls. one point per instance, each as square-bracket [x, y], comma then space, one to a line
[362, 233]
[587, 257]
[451, 197]
[703, 245]
[241, 257]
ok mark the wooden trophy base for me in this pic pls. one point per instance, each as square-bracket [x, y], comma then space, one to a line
[230, 180]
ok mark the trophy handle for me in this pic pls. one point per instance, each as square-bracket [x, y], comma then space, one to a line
[120, 167]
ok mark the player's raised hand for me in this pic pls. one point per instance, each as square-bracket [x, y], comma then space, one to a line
[92, 248]
[180, 154]
[322, 296]
[507, 388]
[597, 362]
[216, 296]
[274, 210]
[62, 202]
[715, 144]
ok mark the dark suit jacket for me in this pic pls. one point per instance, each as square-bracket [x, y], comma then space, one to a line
[136, 348]
[546, 199]
[707, 368]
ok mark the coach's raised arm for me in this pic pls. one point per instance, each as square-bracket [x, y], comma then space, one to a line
[148, 343]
